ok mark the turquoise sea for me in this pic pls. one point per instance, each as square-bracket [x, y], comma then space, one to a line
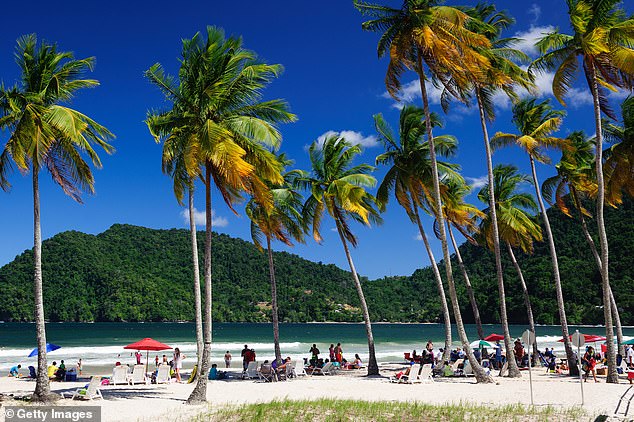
[100, 344]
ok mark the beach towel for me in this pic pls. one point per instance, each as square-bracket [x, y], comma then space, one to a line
[192, 377]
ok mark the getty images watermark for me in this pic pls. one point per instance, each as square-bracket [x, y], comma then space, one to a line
[52, 413]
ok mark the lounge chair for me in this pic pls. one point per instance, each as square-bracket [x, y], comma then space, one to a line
[252, 370]
[298, 369]
[120, 375]
[455, 367]
[468, 370]
[266, 373]
[327, 369]
[413, 375]
[425, 374]
[138, 375]
[163, 375]
[91, 392]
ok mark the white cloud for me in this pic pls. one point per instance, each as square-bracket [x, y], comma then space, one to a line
[199, 218]
[535, 11]
[410, 93]
[355, 138]
[477, 182]
[418, 237]
[527, 39]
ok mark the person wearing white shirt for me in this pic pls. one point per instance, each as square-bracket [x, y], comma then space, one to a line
[629, 359]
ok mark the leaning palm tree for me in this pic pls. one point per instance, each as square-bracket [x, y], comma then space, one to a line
[461, 215]
[409, 178]
[218, 107]
[283, 222]
[516, 227]
[504, 75]
[424, 35]
[47, 135]
[536, 122]
[339, 188]
[175, 158]
[576, 178]
[603, 40]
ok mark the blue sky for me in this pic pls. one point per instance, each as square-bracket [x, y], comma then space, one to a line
[333, 81]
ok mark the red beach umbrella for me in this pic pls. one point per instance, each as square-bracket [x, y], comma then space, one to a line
[494, 337]
[589, 338]
[147, 344]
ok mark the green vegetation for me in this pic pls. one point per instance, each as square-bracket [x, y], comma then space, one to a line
[135, 274]
[355, 410]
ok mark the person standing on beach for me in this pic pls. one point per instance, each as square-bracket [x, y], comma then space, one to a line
[331, 351]
[156, 361]
[227, 360]
[79, 366]
[165, 362]
[498, 355]
[178, 363]
[138, 356]
[314, 351]
[245, 354]
[338, 353]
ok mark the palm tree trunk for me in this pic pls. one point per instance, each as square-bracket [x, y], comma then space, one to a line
[373, 367]
[527, 301]
[474, 304]
[574, 370]
[197, 299]
[274, 315]
[612, 375]
[597, 258]
[199, 394]
[42, 388]
[439, 285]
[514, 371]
[478, 371]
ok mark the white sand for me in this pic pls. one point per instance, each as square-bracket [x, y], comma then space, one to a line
[166, 402]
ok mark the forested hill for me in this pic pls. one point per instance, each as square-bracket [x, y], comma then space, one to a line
[131, 273]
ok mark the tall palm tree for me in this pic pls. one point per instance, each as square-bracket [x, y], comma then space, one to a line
[409, 177]
[603, 40]
[461, 215]
[517, 228]
[618, 168]
[218, 108]
[47, 135]
[502, 74]
[422, 34]
[339, 188]
[536, 122]
[576, 177]
[283, 222]
[175, 158]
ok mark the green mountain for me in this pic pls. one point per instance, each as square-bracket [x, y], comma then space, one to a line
[131, 273]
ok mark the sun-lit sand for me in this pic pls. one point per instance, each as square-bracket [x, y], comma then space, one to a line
[166, 402]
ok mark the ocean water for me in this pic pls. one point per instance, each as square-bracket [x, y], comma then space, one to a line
[101, 344]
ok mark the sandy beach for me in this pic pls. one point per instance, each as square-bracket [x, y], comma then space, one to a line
[166, 402]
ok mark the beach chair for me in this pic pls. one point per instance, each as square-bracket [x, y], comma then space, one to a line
[290, 371]
[252, 370]
[163, 375]
[138, 375]
[468, 370]
[455, 367]
[425, 374]
[120, 375]
[327, 369]
[298, 369]
[413, 375]
[266, 373]
[91, 392]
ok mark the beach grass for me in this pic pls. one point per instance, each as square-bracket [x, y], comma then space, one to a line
[353, 410]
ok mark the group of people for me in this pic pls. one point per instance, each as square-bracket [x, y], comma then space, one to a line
[335, 355]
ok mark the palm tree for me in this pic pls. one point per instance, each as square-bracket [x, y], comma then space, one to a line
[47, 135]
[461, 216]
[536, 122]
[603, 40]
[409, 177]
[339, 188]
[618, 168]
[576, 176]
[517, 228]
[284, 222]
[423, 33]
[175, 159]
[503, 74]
[218, 108]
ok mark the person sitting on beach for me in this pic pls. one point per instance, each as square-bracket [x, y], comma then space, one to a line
[477, 355]
[415, 357]
[518, 350]
[428, 353]
[453, 356]
[357, 364]
[461, 354]
[15, 371]
[215, 374]
[51, 370]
